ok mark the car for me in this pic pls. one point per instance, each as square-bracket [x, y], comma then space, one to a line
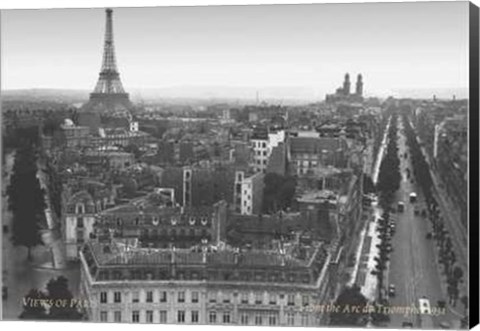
[391, 290]
[407, 325]
[413, 197]
[424, 305]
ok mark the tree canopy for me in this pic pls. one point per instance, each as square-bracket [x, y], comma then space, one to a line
[278, 192]
[351, 305]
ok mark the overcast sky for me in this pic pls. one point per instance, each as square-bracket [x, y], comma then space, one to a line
[394, 46]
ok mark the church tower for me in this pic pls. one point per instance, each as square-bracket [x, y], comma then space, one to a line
[346, 84]
[359, 87]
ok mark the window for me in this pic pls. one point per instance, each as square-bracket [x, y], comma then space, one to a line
[291, 300]
[181, 316]
[80, 222]
[258, 298]
[212, 317]
[181, 296]
[163, 316]
[290, 318]
[103, 316]
[304, 319]
[149, 316]
[244, 319]
[163, 296]
[244, 299]
[117, 316]
[226, 298]
[80, 208]
[226, 317]
[305, 300]
[117, 297]
[258, 319]
[272, 319]
[194, 316]
[149, 296]
[80, 235]
[103, 297]
[135, 316]
[212, 297]
[194, 297]
[273, 299]
[135, 297]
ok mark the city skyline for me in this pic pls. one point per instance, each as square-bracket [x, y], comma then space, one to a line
[207, 47]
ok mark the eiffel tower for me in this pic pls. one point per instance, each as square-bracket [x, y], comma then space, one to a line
[108, 99]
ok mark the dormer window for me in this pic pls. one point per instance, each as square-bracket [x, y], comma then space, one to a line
[79, 208]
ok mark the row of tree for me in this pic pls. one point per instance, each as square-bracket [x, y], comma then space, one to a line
[25, 196]
[389, 176]
[385, 233]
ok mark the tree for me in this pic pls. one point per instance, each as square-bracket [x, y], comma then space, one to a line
[58, 290]
[57, 303]
[32, 309]
[134, 149]
[457, 273]
[379, 316]
[278, 192]
[349, 298]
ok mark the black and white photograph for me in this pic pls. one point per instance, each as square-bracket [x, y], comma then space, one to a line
[301, 165]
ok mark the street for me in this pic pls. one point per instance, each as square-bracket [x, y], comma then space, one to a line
[413, 265]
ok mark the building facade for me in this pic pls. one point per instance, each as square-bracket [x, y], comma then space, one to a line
[126, 284]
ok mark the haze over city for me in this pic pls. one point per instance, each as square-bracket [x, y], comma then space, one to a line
[283, 51]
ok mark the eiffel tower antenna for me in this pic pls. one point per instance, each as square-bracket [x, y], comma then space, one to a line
[109, 79]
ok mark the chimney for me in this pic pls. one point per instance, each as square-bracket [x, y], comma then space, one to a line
[173, 255]
[282, 257]
[236, 254]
